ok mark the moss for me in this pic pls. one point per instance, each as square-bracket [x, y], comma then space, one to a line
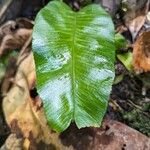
[138, 119]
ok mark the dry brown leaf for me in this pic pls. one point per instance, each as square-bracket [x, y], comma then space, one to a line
[14, 41]
[25, 115]
[141, 53]
[14, 34]
[26, 119]
[113, 135]
[110, 6]
[135, 16]
[12, 143]
[121, 137]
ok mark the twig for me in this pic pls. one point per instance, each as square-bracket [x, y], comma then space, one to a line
[6, 5]
[138, 107]
[116, 104]
[135, 105]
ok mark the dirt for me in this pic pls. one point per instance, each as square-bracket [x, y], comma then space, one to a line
[134, 107]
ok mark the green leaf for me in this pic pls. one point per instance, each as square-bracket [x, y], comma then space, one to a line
[126, 59]
[74, 55]
[4, 62]
[2, 70]
[118, 79]
[120, 41]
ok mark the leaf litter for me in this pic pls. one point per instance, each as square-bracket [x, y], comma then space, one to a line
[24, 112]
[135, 15]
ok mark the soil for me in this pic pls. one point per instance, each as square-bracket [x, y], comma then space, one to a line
[134, 107]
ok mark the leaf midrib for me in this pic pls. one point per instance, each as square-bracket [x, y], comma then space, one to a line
[73, 62]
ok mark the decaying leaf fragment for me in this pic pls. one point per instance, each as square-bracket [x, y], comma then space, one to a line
[13, 37]
[135, 15]
[12, 143]
[113, 135]
[141, 53]
[24, 114]
[13, 34]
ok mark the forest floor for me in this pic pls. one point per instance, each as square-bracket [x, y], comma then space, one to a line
[129, 104]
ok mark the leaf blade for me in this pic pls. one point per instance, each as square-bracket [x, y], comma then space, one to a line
[73, 58]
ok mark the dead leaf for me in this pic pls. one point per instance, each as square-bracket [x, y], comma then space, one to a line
[113, 135]
[110, 6]
[124, 137]
[12, 143]
[13, 35]
[26, 119]
[141, 53]
[135, 15]
[11, 9]
[3, 8]
[25, 115]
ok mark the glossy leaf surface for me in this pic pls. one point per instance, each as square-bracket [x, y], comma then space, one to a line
[126, 59]
[74, 55]
[120, 41]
